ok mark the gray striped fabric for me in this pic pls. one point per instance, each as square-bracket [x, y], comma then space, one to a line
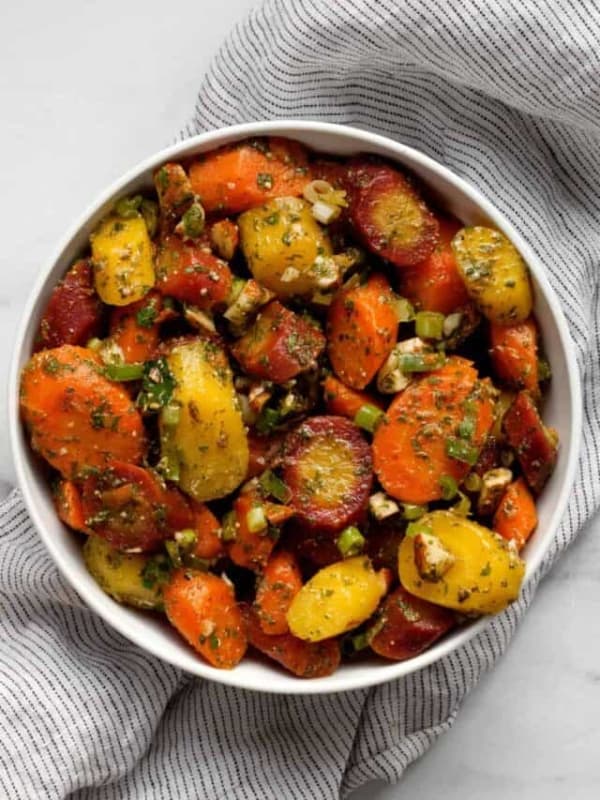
[507, 95]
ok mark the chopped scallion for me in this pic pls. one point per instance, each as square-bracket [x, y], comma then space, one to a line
[448, 486]
[94, 344]
[273, 485]
[463, 507]
[451, 324]
[236, 289]
[269, 418]
[360, 641]
[192, 222]
[466, 428]
[186, 539]
[420, 362]
[415, 528]
[404, 309]
[412, 512]
[472, 482]
[350, 541]
[124, 372]
[368, 417]
[169, 466]
[429, 325]
[128, 207]
[324, 212]
[229, 527]
[462, 451]
[170, 415]
[173, 553]
[256, 519]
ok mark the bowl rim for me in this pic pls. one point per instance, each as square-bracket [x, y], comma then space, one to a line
[287, 127]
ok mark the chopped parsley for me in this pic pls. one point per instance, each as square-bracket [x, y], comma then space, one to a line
[264, 180]
[156, 572]
[146, 317]
[157, 385]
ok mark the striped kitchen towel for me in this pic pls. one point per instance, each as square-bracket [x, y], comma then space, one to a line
[506, 94]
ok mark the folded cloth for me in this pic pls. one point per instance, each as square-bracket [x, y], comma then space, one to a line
[507, 95]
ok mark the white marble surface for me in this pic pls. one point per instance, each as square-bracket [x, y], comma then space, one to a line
[88, 89]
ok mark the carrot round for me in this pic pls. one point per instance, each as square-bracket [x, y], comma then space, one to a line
[135, 328]
[433, 429]
[516, 516]
[74, 312]
[175, 194]
[388, 214]
[202, 607]
[435, 283]
[69, 506]
[536, 445]
[78, 419]
[304, 659]
[250, 549]
[406, 625]
[362, 326]
[236, 178]
[130, 507]
[191, 273]
[328, 472]
[280, 582]
[278, 345]
[207, 528]
[343, 401]
[514, 352]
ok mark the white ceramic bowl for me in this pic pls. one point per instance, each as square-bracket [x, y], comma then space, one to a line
[562, 407]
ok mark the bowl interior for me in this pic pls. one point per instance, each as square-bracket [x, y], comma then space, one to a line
[562, 408]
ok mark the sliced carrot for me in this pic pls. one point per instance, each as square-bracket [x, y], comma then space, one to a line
[304, 659]
[388, 214]
[74, 312]
[448, 412]
[135, 328]
[279, 344]
[516, 516]
[328, 472]
[343, 401]
[536, 445]
[202, 607]
[249, 549]
[175, 194]
[407, 625]
[191, 273]
[207, 528]
[130, 507]
[514, 354]
[69, 506]
[280, 583]
[435, 283]
[238, 177]
[78, 418]
[362, 326]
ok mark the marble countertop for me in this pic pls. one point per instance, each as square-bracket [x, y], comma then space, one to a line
[90, 88]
